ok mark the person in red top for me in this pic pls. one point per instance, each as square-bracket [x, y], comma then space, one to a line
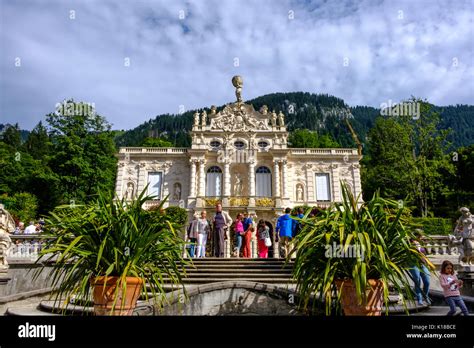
[451, 285]
[248, 227]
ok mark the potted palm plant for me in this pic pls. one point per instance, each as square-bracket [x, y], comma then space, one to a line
[352, 252]
[108, 250]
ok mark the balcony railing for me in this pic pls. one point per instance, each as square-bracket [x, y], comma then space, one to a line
[324, 152]
[170, 150]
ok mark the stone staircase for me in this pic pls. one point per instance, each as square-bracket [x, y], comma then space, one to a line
[214, 270]
[209, 270]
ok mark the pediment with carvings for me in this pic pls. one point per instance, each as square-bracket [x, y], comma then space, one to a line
[240, 117]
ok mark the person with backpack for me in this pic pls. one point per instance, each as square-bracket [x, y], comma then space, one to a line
[298, 224]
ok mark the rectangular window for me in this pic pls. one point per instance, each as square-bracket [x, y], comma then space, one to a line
[154, 184]
[323, 192]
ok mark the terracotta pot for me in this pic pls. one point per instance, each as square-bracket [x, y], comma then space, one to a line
[350, 304]
[104, 296]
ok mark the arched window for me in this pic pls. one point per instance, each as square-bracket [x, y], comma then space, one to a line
[213, 182]
[263, 182]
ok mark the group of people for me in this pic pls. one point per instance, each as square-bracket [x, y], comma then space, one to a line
[217, 230]
[32, 228]
[447, 279]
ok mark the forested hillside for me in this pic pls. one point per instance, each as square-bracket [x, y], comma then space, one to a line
[318, 112]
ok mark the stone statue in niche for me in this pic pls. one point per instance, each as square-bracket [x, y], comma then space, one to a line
[129, 192]
[299, 193]
[238, 185]
[177, 191]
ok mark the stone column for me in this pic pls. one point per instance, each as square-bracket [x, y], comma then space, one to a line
[310, 194]
[276, 178]
[276, 245]
[202, 177]
[142, 177]
[251, 185]
[119, 185]
[335, 183]
[356, 175]
[192, 184]
[284, 178]
[253, 247]
[252, 178]
[227, 178]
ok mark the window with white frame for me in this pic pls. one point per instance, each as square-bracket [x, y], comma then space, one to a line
[263, 182]
[213, 182]
[323, 190]
[155, 181]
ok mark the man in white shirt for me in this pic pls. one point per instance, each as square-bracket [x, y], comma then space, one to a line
[31, 229]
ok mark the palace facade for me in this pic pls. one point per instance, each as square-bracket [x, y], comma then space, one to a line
[240, 157]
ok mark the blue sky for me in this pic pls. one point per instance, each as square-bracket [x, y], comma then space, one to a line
[184, 53]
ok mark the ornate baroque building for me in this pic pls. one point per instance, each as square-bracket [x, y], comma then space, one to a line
[239, 156]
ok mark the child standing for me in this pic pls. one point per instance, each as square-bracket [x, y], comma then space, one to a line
[451, 285]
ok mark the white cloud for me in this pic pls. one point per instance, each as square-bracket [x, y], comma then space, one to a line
[190, 62]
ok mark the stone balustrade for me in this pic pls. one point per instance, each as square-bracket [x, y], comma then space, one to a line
[151, 203]
[323, 151]
[25, 247]
[438, 245]
[171, 150]
[182, 150]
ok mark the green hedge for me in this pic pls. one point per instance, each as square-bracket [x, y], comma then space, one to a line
[23, 206]
[434, 225]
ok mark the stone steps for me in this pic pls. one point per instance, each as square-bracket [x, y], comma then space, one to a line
[209, 270]
[212, 270]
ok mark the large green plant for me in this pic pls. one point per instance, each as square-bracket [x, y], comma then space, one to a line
[378, 228]
[111, 238]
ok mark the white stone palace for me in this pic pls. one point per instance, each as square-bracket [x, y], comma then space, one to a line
[239, 156]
